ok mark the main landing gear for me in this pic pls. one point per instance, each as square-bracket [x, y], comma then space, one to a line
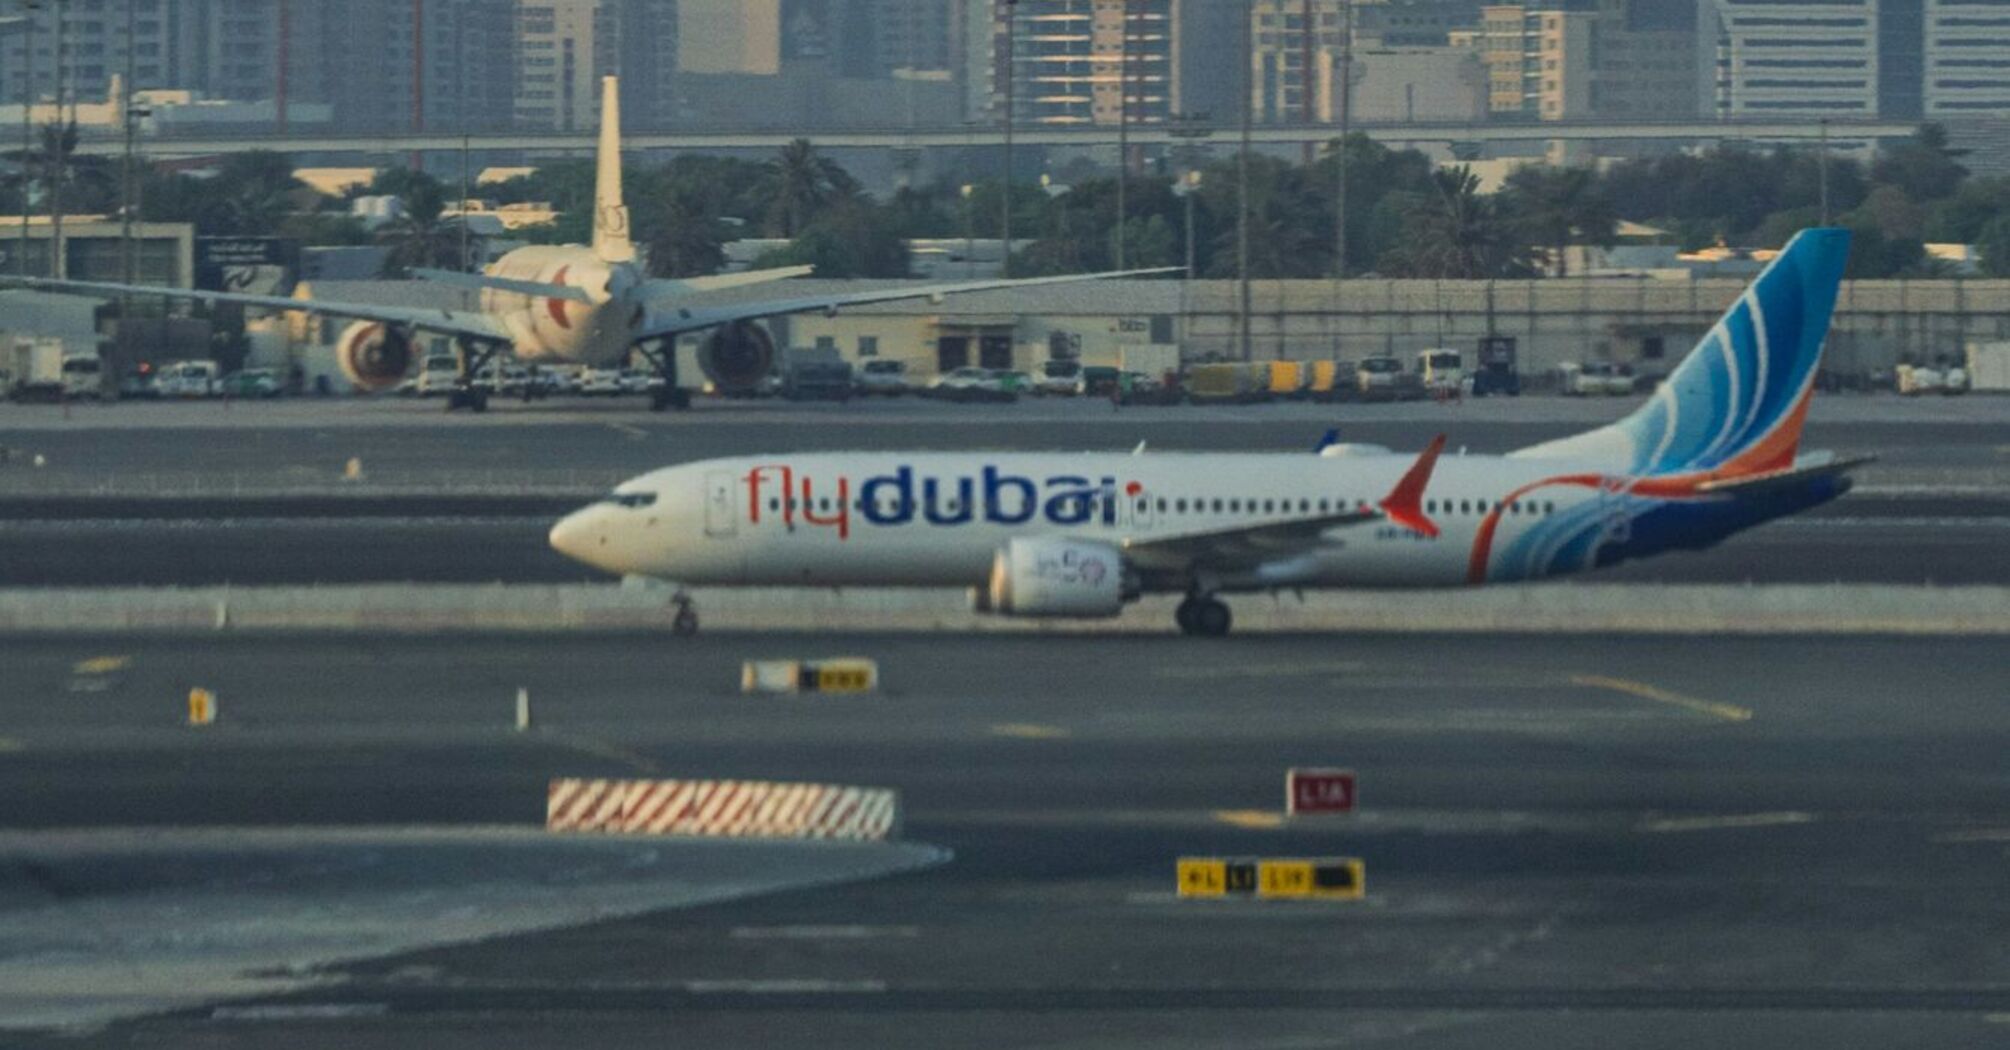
[1203, 616]
[465, 394]
[685, 623]
[663, 354]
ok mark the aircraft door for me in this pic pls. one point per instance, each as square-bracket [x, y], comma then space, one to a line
[721, 506]
[1138, 511]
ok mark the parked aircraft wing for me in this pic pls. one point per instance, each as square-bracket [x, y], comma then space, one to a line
[448, 322]
[483, 282]
[670, 288]
[678, 320]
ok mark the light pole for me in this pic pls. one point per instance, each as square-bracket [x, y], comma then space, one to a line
[1123, 124]
[969, 233]
[1345, 101]
[1242, 176]
[1011, 83]
[30, 10]
[1824, 162]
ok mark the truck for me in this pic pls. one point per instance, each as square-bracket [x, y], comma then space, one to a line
[1329, 381]
[1383, 378]
[816, 375]
[1226, 383]
[1495, 372]
[34, 370]
[1283, 379]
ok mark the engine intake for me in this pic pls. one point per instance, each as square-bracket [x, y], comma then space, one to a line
[1050, 576]
[737, 356]
[374, 356]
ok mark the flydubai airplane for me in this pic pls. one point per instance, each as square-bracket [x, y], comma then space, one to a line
[1714, 451]
[572, 304]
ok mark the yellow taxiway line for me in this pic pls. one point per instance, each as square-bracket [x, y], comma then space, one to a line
[1727, 712]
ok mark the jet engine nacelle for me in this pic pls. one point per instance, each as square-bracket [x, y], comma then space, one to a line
[1051, 576]
[374, 356]
[737, 356]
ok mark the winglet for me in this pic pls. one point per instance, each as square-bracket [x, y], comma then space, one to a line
[1405, 503]
[1327, 440]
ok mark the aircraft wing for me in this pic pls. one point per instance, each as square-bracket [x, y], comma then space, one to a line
[678, 320]
[669, 288]
[470, 324]
[1244, 547]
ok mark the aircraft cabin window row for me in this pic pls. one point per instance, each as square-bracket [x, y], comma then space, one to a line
[1197, 506]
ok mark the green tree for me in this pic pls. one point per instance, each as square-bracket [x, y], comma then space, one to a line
[249, 195]
[1559, 207]
[1456, 233]
[420, 237]
[1923, 167]
[854, 240]
[802, 183]
[1994, 245]
[681, 238]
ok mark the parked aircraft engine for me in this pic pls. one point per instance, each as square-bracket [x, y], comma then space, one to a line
[737, 356]
[374, 356]
[1051, 576]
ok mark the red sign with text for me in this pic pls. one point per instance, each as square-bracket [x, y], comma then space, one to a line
[1318, 791]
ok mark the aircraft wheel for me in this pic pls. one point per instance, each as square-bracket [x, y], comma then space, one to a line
[1211, 618]
[1184, 616]
[685, 623]
[478, 400]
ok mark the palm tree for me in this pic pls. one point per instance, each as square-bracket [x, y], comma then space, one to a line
[1561, 207]
[683, 241]
[420, 238]
[802, 184]
[1455, 233]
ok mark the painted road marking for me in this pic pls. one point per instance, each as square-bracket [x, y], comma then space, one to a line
[821, 933]
[1996, 1018]
[102, 665]
[609, 752]
[635, 432]
[9, 747]
[1727, 712]
[1249, 818]
[1030, 731]
[1747, 820]
[300, 1012]
[1263, 671]
[1984, 835]
[782, 987]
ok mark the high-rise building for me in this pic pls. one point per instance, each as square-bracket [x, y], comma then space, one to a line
[559, 57]
[1584, 59]
[1778, 58]
[1538, 60]
[1079, 61]
[1404, 67]
[95, 46]
[1964, 57]
[729, 36]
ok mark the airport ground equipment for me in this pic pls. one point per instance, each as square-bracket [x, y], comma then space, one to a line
[1494, 370]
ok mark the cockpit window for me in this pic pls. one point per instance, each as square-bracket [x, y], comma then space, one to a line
[633, 500]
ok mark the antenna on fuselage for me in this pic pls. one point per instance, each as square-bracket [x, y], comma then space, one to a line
[610, 212]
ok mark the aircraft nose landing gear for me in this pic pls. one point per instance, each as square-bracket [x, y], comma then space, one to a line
[1203, 616]
[685, 623]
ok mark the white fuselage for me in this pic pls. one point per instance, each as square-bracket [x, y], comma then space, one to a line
[562, 331]
[938, 519]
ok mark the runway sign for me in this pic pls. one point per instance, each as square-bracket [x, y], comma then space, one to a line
[201, 707]
[1273, 878]
[723, 809]
[1318, 791]
[839, 675]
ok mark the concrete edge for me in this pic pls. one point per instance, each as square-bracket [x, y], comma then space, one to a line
[606, 608]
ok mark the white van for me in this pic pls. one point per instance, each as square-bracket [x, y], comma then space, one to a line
[83, 377]
[1441, 370]
[188, 379]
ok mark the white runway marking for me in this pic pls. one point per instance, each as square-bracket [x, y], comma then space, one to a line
[300, 1012]
[1748, 820]
[810, 986]
[822, 933]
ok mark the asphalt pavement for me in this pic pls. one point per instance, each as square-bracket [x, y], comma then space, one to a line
[1570, 841]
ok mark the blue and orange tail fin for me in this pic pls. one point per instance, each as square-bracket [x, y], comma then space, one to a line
[1735, 405]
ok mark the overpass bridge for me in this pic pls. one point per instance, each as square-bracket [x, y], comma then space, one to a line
[186, 145]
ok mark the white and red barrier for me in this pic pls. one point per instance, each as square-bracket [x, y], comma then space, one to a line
[722, 809]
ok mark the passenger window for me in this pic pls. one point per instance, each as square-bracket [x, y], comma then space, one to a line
[1162, 504]
[1548, 508]
[1217, 506]
[1235, 506]
[1322, 506]
[1269, 507]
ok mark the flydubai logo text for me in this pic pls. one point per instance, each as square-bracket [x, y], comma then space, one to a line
[899, 497]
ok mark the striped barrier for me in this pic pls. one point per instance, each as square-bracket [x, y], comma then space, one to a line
[723, 809]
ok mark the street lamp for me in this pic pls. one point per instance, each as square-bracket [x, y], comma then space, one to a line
[1011, 83]
[26, 23]
[969, 235]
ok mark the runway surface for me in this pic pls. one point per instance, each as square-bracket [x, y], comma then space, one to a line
[1571, 842]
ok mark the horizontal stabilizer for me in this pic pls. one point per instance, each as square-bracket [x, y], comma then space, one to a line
[664, 289]
[483, 282]
[1756, 483]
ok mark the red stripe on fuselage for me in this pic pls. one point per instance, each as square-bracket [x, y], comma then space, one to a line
[556, 307]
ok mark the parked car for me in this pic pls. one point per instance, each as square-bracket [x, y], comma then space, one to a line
[1921, 379]
[639, 381]
[1595, 379]
[251, 383]
[1443, 371]
[1060, 378]
[439, 375]
[1099, 381]
[817, 381]
[1385, 379]
[1142, 389]
[188, 379]
[888, 378]
[970, 383]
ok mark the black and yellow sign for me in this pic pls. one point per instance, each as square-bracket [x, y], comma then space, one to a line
[843, 676]
[1274, 878]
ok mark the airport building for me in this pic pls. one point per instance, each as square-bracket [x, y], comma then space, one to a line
[1794, 58]
[1966, 59]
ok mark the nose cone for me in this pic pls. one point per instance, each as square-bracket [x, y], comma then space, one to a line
[582, 536]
